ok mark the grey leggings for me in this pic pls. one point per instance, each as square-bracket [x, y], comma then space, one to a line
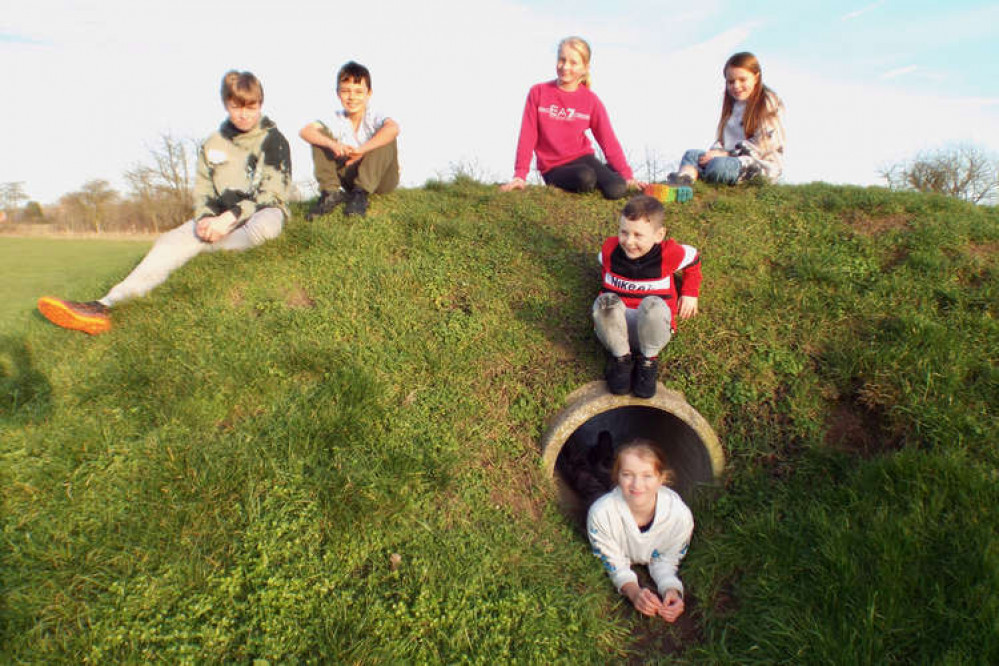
[645, 329]
[178, 246]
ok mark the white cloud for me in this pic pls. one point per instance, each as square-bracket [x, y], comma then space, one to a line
[899, 71]
[860, 12]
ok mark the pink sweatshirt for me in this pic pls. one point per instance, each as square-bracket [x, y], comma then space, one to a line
[553, 125]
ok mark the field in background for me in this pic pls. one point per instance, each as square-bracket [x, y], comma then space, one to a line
[75, 268]
[327, 448]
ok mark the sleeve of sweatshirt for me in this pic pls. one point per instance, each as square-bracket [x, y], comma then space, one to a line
[608, 545]
[528, 136]
[204, 192]
[684, 258]
[665, 559]
[603, 132]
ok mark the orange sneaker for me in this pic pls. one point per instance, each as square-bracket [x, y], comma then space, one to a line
[92, 317]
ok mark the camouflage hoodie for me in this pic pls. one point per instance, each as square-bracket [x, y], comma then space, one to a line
[242, 172]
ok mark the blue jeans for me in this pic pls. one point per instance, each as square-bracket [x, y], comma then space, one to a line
[723, 170]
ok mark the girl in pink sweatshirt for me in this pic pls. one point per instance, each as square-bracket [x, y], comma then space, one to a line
[556, 117]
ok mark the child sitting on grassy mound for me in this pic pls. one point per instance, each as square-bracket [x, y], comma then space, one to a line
[241, 189]
[635, 314]
[355, 154]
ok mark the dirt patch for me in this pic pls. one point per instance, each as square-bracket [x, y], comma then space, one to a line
[865, 225]
[983, 250]
[298, 298]
[860, 428]
[655, 637]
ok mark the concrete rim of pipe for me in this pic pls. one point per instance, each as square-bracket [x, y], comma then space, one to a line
[593, 399]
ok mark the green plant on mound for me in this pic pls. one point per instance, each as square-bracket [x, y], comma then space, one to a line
[326, 449]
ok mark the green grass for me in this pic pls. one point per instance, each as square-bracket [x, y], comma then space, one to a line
[227, 475]
[34, 267]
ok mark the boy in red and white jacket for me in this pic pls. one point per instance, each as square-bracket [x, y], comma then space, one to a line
[635, 314]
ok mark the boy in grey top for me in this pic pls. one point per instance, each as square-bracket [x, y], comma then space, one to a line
[355, 154]
[241, 189]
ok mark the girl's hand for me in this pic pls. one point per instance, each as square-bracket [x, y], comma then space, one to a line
[688, 306]
[710, 155]
[672, 606]
[643, 599]
[636, 184]
[515, 184]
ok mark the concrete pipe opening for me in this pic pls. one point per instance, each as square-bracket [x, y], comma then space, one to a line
[577, 448]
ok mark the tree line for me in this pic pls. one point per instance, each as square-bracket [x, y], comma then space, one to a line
[159, 196]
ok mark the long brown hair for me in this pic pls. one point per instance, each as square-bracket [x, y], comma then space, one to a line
[757, 106]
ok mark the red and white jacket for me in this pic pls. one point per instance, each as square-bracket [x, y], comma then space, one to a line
[651, 274]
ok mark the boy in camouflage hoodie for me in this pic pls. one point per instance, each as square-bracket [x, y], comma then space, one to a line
[242, 186]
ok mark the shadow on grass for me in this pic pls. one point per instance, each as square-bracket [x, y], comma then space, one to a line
[25, 392]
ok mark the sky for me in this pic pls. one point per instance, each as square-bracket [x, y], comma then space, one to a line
[89, 87]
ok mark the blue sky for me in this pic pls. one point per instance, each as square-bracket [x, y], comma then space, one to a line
[89, 86]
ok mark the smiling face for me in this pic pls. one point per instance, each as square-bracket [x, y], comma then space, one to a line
[243, 116]
[570, 68]
[354, 96]
[740, 83]
[639, 479]
[639, 236]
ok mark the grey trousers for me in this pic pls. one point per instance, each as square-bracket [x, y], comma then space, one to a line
[645, 329]
[176, 247]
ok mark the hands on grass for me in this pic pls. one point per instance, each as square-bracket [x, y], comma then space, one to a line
[672, 606]
[515, 184]
[688, 306]
[635, 184]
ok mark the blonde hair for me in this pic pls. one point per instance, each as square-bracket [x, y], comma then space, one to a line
[646, 450]
[580, 46]
[243, 88]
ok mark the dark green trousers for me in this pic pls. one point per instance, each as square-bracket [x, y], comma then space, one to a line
[375, 173]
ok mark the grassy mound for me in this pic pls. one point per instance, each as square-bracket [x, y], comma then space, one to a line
[326, 449]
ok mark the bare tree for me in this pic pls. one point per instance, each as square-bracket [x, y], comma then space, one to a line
[163, 191]
[92, 203]
[962, 171]
[11, 196]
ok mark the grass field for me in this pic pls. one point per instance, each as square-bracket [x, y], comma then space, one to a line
[326, 450]
[82, 269]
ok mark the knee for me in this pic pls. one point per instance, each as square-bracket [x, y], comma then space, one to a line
[265, 225]
[691, 158]
[587, 180]
[719, 171]
[607, 305]
[616, 189]
[654, 307]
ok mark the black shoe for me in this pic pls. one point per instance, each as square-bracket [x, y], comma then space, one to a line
[326, 204]
[679, 179]
[618, 374]
[643, 385]
[357, 202]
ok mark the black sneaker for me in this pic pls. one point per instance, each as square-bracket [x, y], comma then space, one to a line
[618, 374]
[679, 179]
[643, 385]
[326, 204]
[357, 202]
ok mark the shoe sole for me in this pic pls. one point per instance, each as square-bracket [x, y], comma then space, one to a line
[60, 314]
